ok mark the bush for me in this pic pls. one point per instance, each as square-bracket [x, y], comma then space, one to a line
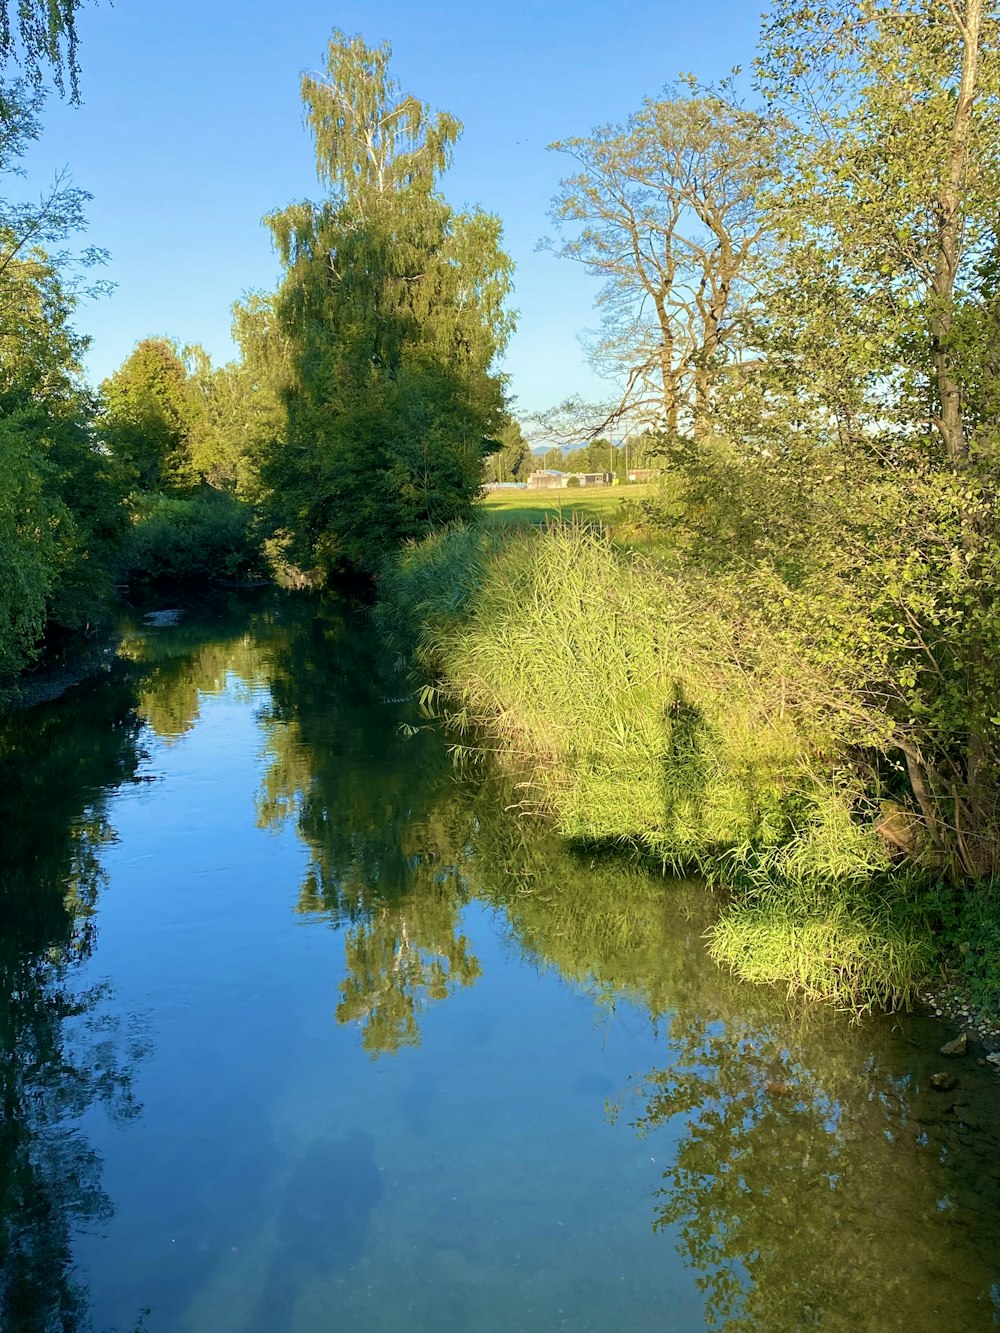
[209, 536]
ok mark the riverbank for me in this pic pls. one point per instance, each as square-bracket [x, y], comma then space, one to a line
[53, 676]
[652, 714]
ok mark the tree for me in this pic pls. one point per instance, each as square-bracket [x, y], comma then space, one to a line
[44, 34]
[58, 213]
[391, 313]
[665, 210]
[62, 519]
[221, 437]
[60, 497]
[878, 340]
[512, 461]
[151, 411]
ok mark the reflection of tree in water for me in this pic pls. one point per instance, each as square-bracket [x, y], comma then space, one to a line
[368, 803]
[225, 637]
[61, 1051]
[812, 1184]
[815, 1181]
[407, 954]
[794, 1189]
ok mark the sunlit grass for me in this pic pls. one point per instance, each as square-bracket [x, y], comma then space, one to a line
[652, 711]
[590, 504]
[612, 509]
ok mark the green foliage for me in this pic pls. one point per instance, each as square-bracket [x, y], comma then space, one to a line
[646, 718]
[62, 520]
[387, 322]
[195, 539]
[879, 377]
[234, 412]
[861, 950]
[26, 556]
[622, 683]
[151, 410]
[513, 460]
[44, 34]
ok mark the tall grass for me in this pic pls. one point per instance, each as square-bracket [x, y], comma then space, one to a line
[661, 713]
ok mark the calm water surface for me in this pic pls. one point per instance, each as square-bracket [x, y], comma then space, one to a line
[300, 1031]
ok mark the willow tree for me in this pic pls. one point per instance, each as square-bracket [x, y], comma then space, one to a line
[665, 210]
[40, 34]
[391, 317]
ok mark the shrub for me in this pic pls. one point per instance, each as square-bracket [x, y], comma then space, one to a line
[208, 536]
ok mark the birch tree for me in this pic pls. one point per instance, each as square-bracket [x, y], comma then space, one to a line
[392, 313]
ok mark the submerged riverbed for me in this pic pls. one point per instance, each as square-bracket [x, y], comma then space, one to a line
[301, 1030]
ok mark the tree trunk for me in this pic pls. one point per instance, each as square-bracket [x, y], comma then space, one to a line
[976, 848]
[950, 421]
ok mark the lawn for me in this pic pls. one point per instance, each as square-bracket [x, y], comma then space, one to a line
[592, 504]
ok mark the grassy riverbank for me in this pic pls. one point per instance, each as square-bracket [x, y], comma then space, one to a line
[659, 713]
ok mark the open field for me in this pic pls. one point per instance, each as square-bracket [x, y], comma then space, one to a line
[593, 504]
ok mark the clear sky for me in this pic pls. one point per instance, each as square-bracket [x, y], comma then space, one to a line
[191, 129]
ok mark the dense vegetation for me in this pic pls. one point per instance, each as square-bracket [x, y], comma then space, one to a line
[390, 317]
[800, 696]
[360, 410]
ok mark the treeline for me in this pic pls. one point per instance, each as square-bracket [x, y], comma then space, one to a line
[801, 694]
[642, 451]
[358, 414]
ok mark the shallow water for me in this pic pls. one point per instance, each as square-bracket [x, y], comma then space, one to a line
[301, 1030]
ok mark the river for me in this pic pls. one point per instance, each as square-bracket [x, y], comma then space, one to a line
[303, 1029]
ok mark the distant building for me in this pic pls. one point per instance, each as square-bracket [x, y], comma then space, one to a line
[547, 479]
[643, 473]
[550, 479]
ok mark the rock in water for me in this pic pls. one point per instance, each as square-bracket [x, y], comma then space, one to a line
[943, 1082]
[957, 1047]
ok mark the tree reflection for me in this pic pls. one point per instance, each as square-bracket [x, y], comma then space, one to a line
[61, 1050]
[372, 807]
[791, 1183]
[793, 1191]
[815, 1180]
[223, 638]
[409, 953]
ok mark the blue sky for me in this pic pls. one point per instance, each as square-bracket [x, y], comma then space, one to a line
[191, 129]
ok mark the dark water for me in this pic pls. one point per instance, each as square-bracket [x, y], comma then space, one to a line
[300, 1032]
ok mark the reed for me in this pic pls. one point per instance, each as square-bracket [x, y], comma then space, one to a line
[662, 713]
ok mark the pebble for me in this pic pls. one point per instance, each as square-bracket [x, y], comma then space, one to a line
[943, 1082]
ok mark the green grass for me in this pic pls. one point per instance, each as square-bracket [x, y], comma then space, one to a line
[660, 712]
[589, 504]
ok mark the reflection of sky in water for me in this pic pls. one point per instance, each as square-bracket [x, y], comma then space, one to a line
[505, 1169]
